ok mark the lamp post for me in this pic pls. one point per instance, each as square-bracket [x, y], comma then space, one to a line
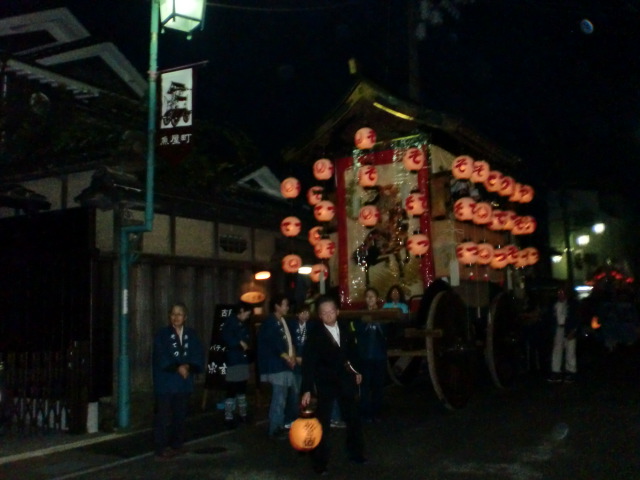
[185, 16]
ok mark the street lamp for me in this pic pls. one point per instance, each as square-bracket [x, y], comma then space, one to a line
[186, 16]
[182, 15]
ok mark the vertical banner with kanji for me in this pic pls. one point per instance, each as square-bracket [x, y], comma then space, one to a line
[216, 361]
[175, 115]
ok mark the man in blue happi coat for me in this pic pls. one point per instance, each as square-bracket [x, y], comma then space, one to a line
[177, 355]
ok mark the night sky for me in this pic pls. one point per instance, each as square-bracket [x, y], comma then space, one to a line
[527, 74]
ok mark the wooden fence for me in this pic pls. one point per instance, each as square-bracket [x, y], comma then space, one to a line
[44, 391]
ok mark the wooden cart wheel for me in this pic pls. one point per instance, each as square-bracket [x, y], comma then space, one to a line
[450, 355]
[502, 343]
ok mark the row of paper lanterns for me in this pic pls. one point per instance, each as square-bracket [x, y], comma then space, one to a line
[482, 213]
[472, 253]
[478, 171]
[324, 210]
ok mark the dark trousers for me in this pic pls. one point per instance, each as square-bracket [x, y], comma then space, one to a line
[371, 389]
[351, 416]
[169, 421]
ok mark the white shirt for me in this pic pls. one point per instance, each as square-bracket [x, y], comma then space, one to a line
[334, 331]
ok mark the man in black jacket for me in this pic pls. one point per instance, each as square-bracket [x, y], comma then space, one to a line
[330, 370]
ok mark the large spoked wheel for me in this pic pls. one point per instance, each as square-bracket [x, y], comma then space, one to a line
[502, 343]
[450, 352]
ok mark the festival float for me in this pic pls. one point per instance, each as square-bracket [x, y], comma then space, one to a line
[438, 211]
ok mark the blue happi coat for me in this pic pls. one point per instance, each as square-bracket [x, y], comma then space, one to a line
[169, 354]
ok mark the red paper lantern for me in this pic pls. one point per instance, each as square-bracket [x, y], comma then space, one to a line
[467, 253]
[367, 176]
[290, 187]
[507, 186]
[315, 234]
[485, 253]
[305, 434]
[416, 204]
[323, 169]
[413, 159]
[314, 195]
[418, 244]
[480, 172]
[324, 211]
[318, 270]
[462, 167]
[463, 208]
[482, 213]
[325, 248]
[369, 215]
[291, 263]
[516, 196]
[526, 193]
[512, 253]
[500, 258]
[365, 138]
[290, 226]
[493, 181]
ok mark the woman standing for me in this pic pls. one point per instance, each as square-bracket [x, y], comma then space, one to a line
[372, 348]
[235, 333]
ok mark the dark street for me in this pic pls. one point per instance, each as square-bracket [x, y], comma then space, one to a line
[535, 430]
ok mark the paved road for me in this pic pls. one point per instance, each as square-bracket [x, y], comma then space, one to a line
[587, 430]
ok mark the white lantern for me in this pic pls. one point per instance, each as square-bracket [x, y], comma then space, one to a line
[315, 234]
[510, 219]
[317, 271]
[369, 215]
[323, 169]
[184, 16]
[324, 211]
[416, 204]
[314, 195]
[467, 253]
[498, 220]
[519, 226]
[522, 258]
[500, 258]
[325, 248]
[462, 167]
[507, 186]
[413, 159]
[526, 193]
[418, 244]
[463, 208]
[493, 181]
[291, 263]
[290, 187]
[365, 138]
[482, 213]
[516, 196]
[290, 226]
[533, 256]
[480, 172]
[367, 176]
[485, 253]
[530, 225]
[512, 254]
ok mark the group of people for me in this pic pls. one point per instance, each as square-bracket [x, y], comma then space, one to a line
[335, 363]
